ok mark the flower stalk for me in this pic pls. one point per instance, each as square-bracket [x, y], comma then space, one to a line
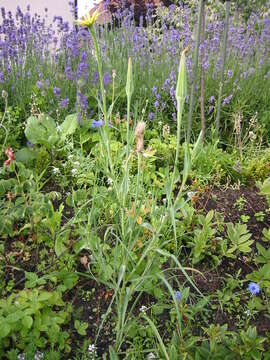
[224, 51]
[195, 70]
[89, 21]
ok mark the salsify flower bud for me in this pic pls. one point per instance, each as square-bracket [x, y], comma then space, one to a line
[139, 133]
[4, 94]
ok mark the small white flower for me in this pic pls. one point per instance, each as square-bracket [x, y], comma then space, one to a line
[38, 355]
[56, 170]
[76, 163]
[92, 349]
[21, 357]
[74, 171]
[143, 309]
[190, 194]
[109, 181]
[252, 135]
[151, 356]
[58, 128]
[70, 157]
[247, 312]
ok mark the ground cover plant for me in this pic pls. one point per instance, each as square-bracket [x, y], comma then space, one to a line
[135, 185]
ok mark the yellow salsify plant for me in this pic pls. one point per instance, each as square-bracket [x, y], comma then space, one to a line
[88, 20]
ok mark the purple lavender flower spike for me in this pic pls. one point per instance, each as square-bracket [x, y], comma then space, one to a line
[151, 116]
[64, 103]
[39, 84]
[56, 91]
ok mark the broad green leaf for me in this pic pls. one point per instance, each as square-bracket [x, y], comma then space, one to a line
[41, 130]
[5, 329]
[60, 247]
[265, 189]
[14, 317]
[27, 322]
[69, 126]
[83, 244]
[25, 155]
[44, 296]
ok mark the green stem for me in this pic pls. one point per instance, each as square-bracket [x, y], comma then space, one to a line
[2, 126]
[224, 51]
[180, 108]
[100, 72]
[195, 71]
[128, 120]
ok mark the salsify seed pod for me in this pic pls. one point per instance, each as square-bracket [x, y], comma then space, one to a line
[139, 133]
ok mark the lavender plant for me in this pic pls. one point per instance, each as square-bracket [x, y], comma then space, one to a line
[53, 62]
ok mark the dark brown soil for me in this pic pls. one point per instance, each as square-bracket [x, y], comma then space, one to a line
[90, 309]
[225, 202]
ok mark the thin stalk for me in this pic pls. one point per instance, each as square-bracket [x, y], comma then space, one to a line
[128, 120]
[100, 72]
[2, 121]
[224, 51]
[202, 74]
[195, 71]
[129, 92]
[180, 107]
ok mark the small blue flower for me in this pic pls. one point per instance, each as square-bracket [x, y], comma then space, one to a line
[254, 288]
[97, 123]
[151, 116]
[30, 145]
[178, 295]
